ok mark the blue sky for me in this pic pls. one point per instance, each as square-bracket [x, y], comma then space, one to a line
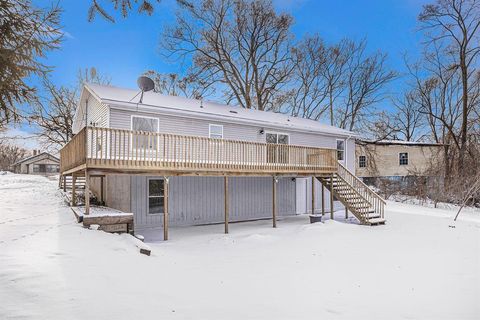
[125, 49]
[131, 46]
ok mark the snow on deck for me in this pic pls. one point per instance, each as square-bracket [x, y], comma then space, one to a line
[414, 267]
[100, 211]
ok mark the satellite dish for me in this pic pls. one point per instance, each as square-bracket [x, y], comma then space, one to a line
[145, 84]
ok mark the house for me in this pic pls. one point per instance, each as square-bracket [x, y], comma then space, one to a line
[41, 163]
[178, 161]
[394, 159]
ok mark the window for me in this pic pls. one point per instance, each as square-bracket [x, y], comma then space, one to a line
[39, 168]
[52, 168]
[403, 158]
[275, 152]
[215, 131]
[340, 150]
[155, 196]
[362, 161]
[277, 138]
[144, 124]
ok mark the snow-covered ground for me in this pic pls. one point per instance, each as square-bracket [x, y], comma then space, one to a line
[414, 267]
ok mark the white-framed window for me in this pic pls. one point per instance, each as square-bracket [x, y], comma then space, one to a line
[403, 158]
[156, 201]
[276, 153]
[277, 138]
[215, 131]
[145, 124]
[362, 161]
[340, 150]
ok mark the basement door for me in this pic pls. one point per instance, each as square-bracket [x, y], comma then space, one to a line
[301, 195]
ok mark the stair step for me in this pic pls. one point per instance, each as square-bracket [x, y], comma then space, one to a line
[372, 215]
[376, 221]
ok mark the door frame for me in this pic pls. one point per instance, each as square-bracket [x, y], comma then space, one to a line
[297, 196]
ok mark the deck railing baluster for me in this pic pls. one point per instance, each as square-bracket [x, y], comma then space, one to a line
[135, 149]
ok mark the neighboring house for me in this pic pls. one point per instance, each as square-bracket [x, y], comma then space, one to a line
[395, 159]
[41, 163]
[172, 160]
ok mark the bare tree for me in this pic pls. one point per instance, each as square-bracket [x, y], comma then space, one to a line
[408, 120]
[453, 27]
[241, 45]
[124, 6]
[27, 34]
[175, 85]
[334, 73]
[307, 98]
[53, 114]
[9, 154]
[365, 83]
[382, 127]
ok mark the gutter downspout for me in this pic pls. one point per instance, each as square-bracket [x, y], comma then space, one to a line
[346, 155]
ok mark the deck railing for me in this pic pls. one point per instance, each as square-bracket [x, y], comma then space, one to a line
[377, 203]
[127, 149]
[74, 153]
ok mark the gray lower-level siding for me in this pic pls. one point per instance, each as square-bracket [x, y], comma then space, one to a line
[200, 200]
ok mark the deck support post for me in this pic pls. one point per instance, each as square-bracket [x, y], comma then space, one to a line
[102, 196]
[64, 177]
[274, 201]
[225, 183]
[74, 191]
[346, 212]
[87, 192]
[165, 207]
[331, 197]
[313, 195]
[323, 200]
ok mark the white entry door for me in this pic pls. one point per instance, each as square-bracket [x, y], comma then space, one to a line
[301, 184]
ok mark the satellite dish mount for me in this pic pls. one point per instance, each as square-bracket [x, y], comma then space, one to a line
[145, 84]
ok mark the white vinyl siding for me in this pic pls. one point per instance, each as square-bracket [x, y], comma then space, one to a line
[96, 114]
[171, 124]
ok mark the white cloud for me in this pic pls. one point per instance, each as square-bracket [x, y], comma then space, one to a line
[21, 138]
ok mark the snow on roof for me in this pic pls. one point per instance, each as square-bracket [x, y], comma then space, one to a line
[36, 156]
[129, 97]
[400, 142]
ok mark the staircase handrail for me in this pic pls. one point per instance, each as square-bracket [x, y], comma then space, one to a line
[363, 184]
[375, 200]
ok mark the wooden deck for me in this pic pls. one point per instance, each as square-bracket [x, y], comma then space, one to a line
[96, 152]
[102, 150]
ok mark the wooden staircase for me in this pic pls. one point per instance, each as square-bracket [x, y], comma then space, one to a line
[79, 183]
[356, 196]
